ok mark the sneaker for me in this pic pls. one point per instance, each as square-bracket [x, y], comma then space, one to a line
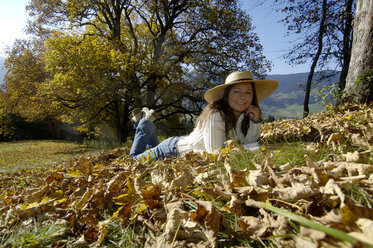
[136, 115]
[150, 115]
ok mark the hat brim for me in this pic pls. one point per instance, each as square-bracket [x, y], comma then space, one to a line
[263, 88]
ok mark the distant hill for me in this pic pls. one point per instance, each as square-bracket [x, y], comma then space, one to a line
[2, 69]
[288, 99]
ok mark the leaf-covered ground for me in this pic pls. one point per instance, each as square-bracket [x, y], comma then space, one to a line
[207, 200]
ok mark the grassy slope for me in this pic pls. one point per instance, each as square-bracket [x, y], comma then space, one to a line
[38, 154]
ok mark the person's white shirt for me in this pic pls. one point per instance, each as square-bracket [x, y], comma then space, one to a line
[211, 136]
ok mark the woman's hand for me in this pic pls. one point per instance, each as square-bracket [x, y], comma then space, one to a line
[253, 112]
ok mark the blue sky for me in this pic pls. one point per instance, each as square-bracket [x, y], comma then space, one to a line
[13, 19]
[271, 33]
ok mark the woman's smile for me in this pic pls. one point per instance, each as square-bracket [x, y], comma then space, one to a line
[240, 97]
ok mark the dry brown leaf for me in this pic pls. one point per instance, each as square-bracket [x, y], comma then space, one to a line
[332, 188]
[268, 168]
[172, 224]
[160, 177]
[361, 140]
[252, 227]
[202, 178]
[305, 243]
[217, 192]
[210, 219]
[355, 157]
[366, 225]
[224, 178]
[78, 204]
[234, 206]
[39, 195]
[358, 210]
[257, 178]
[296, 192]
[181, 182]
[347, 168]
[333, 219]
[315, 235]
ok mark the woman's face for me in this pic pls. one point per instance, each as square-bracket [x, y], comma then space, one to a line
[240, 97]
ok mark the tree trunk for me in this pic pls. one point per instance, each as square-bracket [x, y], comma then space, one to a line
[2, 130]
[54, 127]
[124, 128]
[306, 110]
[122, 118]
[346, 50]
[361, 54]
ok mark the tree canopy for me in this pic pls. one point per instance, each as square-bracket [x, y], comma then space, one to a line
[104, 58]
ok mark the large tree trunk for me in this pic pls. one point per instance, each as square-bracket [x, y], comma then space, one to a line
[361, 54]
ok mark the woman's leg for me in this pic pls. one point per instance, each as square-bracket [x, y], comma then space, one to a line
[166, 149]
[153, 141]
[145, 135]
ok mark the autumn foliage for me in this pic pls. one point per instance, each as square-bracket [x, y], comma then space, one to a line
[203, 200]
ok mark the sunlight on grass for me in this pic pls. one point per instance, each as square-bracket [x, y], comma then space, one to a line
[283, 153]
[39, 153]
[34, 235]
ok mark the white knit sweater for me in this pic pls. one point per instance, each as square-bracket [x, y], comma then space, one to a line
[211, 136]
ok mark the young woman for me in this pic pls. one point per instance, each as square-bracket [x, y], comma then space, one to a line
[232, 113]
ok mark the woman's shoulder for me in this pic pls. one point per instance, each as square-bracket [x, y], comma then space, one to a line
[216, 116]
[213, 119]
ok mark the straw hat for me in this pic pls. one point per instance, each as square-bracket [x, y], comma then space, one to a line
[263, 88]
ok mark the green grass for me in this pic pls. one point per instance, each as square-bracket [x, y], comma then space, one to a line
[35, 234]
[43, 153]
[292, 153]
[44, 234]
[40, 154]
[122, 236]
[292, 111]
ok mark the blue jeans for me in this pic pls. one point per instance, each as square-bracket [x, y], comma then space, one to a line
[145, 136]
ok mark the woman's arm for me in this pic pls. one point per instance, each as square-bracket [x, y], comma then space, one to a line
[253, 132]
[214, 132]
[254, 113]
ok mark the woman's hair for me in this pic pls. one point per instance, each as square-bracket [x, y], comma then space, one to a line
[226, 112]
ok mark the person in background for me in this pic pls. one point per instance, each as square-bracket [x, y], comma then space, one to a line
[232, 113]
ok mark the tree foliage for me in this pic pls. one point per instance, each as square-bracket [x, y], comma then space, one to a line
[25, 75]
[103, 58]
[23, 94]
[303, 17]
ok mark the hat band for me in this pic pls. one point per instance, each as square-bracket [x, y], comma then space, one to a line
[241, 79]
